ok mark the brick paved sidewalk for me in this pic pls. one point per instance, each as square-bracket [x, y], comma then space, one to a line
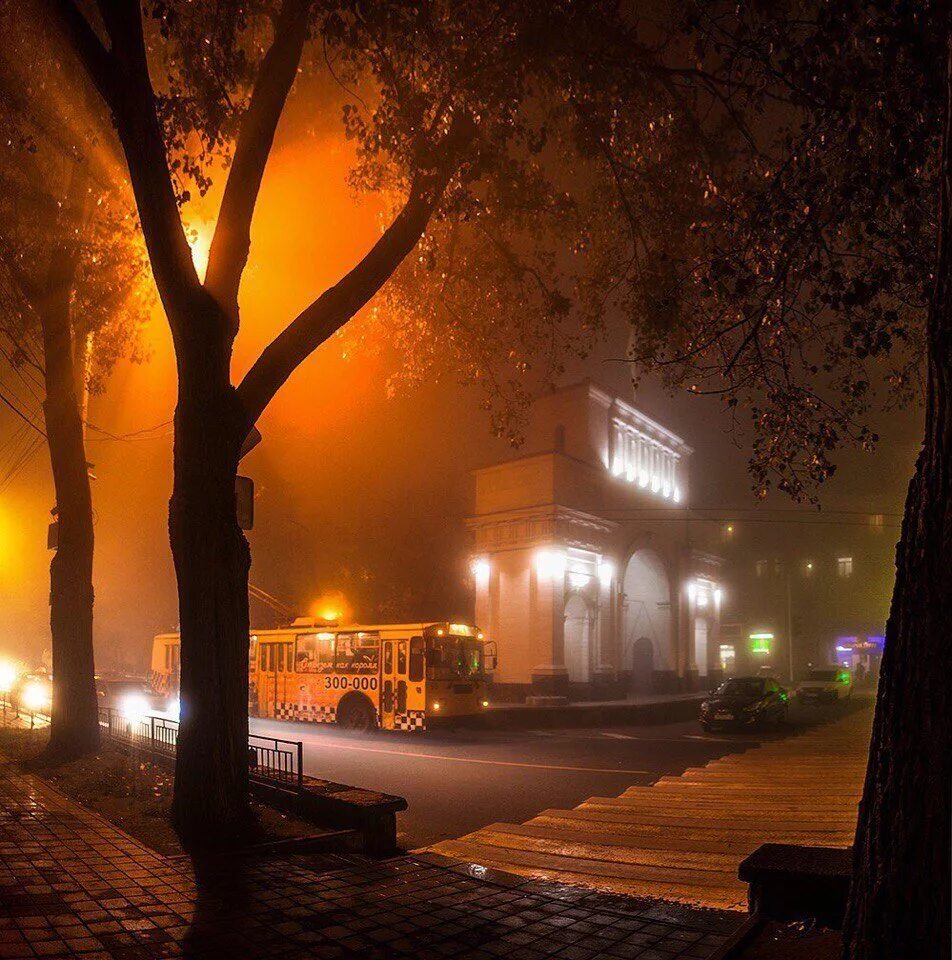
[74, 885]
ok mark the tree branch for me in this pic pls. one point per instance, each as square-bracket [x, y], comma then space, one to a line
[95, 58]
[231, 243]
[143, 143]
[326, 315]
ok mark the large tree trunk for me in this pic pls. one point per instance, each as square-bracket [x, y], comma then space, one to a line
[899, 902]
[75, 723]
[212, 562]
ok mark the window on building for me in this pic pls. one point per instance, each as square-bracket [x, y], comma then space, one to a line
[844, 566]
[761, 568]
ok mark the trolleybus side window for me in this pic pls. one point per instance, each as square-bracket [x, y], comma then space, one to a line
[388, 658]
[416, 659]
[402, 657]
[358, 652]
[263, 656]
[315, 653]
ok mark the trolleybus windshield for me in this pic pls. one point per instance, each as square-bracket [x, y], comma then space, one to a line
[448, 658]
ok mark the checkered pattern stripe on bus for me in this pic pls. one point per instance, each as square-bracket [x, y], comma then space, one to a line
[313, 713]
[411, 720]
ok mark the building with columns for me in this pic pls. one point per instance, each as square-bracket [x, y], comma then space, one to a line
[584, 573]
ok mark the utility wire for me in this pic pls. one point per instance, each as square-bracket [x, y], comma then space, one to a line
[22, 415]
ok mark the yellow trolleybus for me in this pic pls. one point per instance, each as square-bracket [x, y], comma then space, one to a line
[392, 675]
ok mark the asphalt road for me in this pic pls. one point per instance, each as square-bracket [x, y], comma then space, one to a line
[460, 780]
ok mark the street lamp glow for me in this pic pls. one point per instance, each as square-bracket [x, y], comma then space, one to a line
[578, 580]
[606, 570]
[8, 676]
[480, 569]
[550, 564]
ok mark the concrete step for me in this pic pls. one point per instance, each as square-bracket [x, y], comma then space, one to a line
[750, 790]
[512, 836]
[700, 832]
[747, 813]
[721, 798]
[695, 837]
[473, 847]
[729, 896]
[682, 838]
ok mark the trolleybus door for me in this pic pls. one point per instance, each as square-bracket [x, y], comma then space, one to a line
[277, 694]
[388, 684]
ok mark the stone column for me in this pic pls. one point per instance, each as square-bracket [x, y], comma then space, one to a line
[550, 679]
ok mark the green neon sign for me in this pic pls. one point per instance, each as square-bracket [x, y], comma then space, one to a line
[760, 643]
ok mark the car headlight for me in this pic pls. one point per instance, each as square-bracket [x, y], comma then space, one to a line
[133, 707]
[36, 696]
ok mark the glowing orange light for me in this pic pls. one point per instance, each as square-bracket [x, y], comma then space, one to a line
[331, 606]
[200, 240]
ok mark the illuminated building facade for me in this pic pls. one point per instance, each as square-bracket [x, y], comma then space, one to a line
[583, 570]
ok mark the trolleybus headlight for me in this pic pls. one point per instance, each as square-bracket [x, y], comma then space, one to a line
[133, 707]
[485, 703]
[436, 706]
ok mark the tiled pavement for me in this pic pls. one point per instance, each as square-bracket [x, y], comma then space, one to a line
[73, 885]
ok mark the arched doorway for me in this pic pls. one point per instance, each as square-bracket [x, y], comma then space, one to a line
[578, 639]
[647, 621]
[642, 666]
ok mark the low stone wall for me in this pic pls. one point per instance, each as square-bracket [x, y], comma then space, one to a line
[325, 803]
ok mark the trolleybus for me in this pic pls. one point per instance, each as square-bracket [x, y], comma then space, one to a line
[392, 676]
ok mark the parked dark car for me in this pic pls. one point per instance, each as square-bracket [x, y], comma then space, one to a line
[745, 702]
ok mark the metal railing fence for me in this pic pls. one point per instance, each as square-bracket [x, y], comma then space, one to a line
[270, 760]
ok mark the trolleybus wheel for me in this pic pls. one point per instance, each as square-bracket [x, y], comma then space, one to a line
[356, 714]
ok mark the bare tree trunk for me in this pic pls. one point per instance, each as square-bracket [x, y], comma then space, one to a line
[212, 561]
[900, 901]
[75, 722]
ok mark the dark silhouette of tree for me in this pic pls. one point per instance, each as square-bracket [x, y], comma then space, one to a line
[478, 120]
[74, 291]
[811, 286]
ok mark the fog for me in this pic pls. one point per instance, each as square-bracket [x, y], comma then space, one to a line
[357, 492]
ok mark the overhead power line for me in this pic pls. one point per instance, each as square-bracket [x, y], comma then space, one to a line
[22, 415]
